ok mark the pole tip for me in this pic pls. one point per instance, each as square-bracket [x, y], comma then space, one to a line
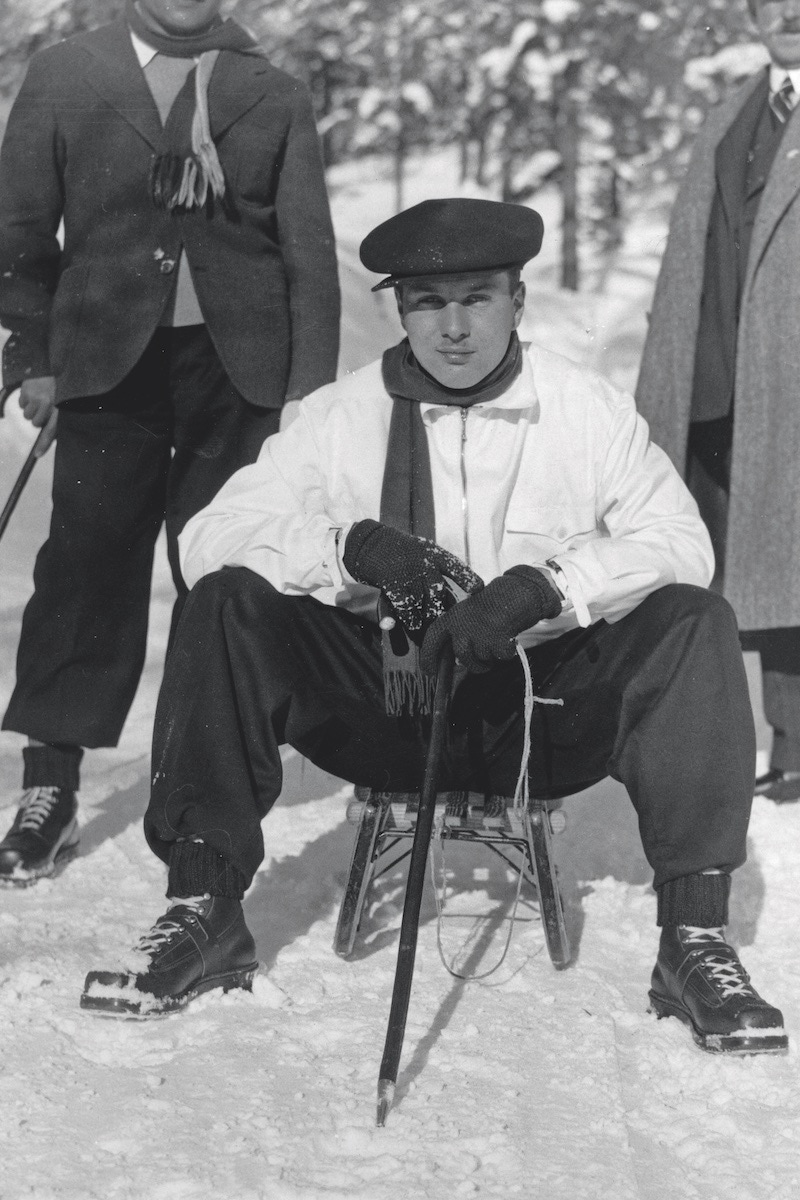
[385, 1098]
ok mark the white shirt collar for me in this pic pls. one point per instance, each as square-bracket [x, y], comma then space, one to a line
[778, 74]
[144, 53]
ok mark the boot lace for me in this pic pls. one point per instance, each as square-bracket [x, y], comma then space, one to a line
[727, 975]
[36, 807]
[166, 927]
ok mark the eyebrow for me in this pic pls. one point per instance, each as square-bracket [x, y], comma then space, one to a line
[479, 283]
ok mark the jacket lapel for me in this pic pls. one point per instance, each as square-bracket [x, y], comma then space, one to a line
[236, 83]
[730, 159]
[236, 86]
[115, 74]
[782, 187]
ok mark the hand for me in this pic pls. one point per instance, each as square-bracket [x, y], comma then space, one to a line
[483, 628]
[37, 401]
[412, 572]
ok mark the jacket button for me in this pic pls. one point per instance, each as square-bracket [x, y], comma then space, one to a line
[166, 266]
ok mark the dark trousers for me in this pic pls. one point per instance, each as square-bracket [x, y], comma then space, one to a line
[657, 700]
[709, 481]
[156, 448]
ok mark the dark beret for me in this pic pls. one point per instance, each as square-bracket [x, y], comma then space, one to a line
[447, 237]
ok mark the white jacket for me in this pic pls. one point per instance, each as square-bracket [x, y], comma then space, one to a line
[560, 467]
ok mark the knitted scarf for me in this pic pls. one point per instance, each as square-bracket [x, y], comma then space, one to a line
[407, 493]
[189, 174]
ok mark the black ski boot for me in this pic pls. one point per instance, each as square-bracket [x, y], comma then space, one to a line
[699, 979]
[198, 944]
[43, 838]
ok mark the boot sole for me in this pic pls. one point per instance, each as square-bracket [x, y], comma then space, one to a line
[47, 868]
[772, 1041]
[152, 1007]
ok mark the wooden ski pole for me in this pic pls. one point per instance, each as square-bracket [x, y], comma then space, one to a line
[27, 467]
[416, 879]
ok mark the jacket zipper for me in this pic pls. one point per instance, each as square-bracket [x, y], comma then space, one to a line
[464, 506]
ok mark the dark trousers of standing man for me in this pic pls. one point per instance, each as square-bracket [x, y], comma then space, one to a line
[657, 700]
[156, 448]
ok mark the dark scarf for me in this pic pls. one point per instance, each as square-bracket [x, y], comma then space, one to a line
[189, 174]
[407, 492]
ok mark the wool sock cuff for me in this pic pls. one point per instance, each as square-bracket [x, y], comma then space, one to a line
[700, 900]
[52, 766]
[196, 869]
[359, 534]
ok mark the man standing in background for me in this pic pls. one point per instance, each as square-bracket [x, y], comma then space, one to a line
[719, 376]
[195, 292]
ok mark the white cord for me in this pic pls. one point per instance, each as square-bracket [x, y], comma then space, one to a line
[521, 801]
[522, 790]
[440, 907]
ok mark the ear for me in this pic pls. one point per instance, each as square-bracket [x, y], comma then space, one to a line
[398, 296]
[518, 301]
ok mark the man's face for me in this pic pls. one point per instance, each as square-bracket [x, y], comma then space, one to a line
[179, 18]
[459, 325]
[778, 24]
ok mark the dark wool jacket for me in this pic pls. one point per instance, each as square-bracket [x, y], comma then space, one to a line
[79, 145]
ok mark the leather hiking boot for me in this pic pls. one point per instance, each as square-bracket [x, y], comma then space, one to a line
[198, 944]
[699, 979]
[43, 838]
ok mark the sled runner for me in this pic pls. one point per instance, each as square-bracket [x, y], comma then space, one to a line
[385, 820]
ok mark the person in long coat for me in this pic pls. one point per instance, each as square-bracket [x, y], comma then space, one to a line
[193, 291]
[719, 375]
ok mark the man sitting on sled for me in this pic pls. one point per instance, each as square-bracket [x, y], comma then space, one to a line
[530, 483]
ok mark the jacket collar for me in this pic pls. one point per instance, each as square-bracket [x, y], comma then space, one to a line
[520, 395]
[115, 75]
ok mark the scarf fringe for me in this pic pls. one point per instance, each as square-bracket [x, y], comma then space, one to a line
[408, 693]
[181, 184]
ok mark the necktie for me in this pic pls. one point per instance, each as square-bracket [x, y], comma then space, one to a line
[783, 101]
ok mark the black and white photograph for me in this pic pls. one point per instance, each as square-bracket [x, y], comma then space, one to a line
[399, 599]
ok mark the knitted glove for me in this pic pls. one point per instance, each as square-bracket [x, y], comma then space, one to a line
[483, 627]
[409, 570]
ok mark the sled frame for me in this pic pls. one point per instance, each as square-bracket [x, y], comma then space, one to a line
[386, 820]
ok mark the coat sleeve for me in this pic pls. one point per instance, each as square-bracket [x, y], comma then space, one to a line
[308, 247]
[31, 182]
[652, 531]
[270, 517]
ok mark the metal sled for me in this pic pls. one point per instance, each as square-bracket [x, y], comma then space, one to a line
[386, 819]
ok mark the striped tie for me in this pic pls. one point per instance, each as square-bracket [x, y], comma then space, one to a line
[783, 101]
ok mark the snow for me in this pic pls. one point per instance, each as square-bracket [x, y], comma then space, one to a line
[530, 1083]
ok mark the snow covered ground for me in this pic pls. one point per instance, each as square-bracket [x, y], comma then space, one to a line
[529, 1083]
